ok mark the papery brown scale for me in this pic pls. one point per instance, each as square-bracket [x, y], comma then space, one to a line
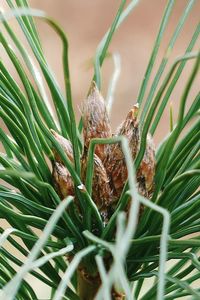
[66, 146]
[62, 180]
[96, 123]
[115, 163]
[101, 191]
[116, 168]
[146, 171]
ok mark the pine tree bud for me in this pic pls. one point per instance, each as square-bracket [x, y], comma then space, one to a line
[62, 180]
[96, 123]
[66, 146]
[101, 191]
[115, 163]
[146, 171]
[61, 177]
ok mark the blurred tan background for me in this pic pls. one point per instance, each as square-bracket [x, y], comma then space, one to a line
[85, 22]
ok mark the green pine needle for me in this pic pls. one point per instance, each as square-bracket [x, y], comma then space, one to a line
[51, 239]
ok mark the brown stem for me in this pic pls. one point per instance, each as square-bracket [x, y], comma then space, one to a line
[88, 287]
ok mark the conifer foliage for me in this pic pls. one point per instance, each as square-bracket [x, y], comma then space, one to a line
[92, 213]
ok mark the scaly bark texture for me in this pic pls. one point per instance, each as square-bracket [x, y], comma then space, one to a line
[110, 170]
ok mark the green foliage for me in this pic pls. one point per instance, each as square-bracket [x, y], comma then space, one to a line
[28, 200]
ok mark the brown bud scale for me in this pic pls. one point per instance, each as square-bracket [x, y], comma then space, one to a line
[101, 190]
[96, 123]
[110, 169]
[61, 177]
[62, 180]
[115, 163]
[66, 146]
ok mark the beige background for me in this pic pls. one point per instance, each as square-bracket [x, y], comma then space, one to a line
[85, 22]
